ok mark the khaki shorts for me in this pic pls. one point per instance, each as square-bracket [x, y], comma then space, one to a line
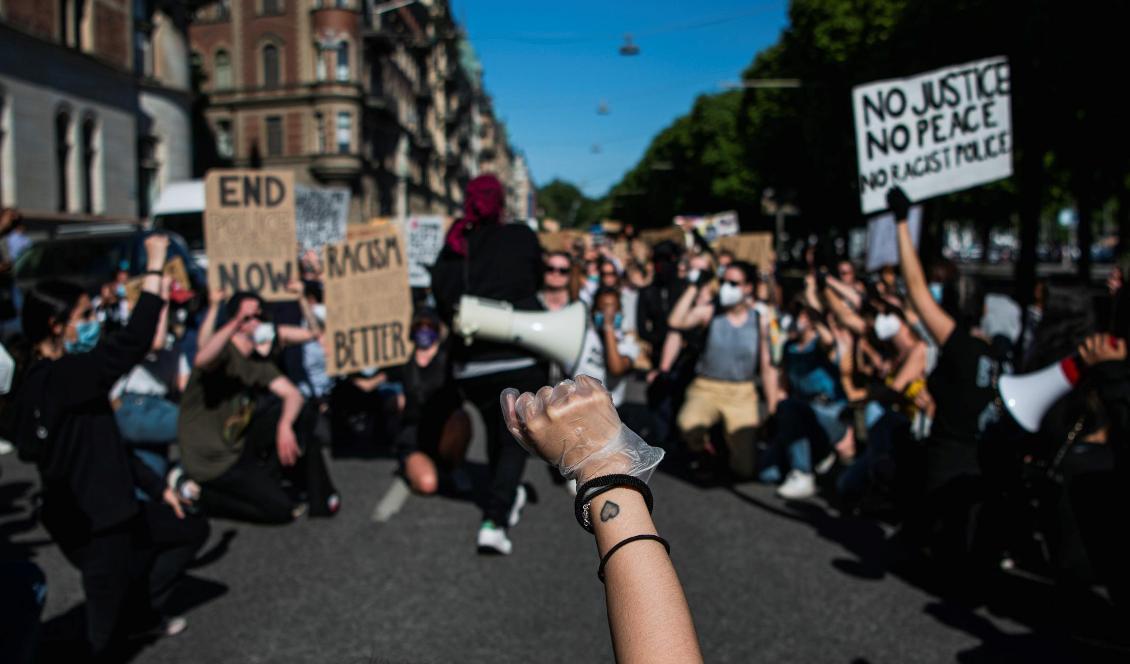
[709, 402]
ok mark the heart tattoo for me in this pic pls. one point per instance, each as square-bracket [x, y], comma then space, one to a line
[609, 511]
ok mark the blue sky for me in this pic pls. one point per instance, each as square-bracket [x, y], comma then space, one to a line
[549, 65]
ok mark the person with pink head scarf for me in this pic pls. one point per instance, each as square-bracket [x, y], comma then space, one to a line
[486, 257]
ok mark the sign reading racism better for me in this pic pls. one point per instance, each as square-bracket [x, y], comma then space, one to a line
[935, 133]
[249, 232]
[320, 214]
[425, 236]
[368, 303]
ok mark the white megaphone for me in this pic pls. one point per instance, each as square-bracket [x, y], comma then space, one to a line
[1028, 397]
[555, 335]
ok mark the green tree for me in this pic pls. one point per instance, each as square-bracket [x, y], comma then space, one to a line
[566, 203]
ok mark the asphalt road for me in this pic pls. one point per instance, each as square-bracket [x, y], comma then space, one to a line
[767, 582]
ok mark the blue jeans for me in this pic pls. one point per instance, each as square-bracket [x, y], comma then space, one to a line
[149, 425]
[802, 426]
[876, 461]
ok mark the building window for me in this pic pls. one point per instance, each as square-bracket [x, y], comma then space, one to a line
[4, 131]
[270, 66]
[272, 6]
[62, 160]
[223, 10]
[89, 165]
[223, 70]
[274, 136]
[319, 132]
[320, 63]
[344, 132]
[225, 145]
[341, 4]
[148, 167]
[343, 61]
[64, 9]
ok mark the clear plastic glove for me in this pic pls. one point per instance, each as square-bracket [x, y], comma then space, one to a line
[575, 428]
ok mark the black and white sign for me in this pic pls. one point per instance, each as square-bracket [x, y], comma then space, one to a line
[935, 133]
[425, 236]
[882, 237]
[321, 215]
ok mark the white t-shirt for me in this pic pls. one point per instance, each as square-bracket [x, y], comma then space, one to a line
[156, 375]
[592, 362]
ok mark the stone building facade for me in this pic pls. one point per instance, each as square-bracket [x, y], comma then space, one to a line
[379, 97]
[94, 106]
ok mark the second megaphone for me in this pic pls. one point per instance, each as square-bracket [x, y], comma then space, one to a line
[555, 335]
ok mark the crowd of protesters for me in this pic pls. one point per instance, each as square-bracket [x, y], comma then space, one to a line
[146, 416]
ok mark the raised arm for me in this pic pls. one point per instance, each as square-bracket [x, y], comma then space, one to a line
[936, 320]
[911, 369]
[575, 428]
[687, 314]
[617, 364]
[208, 325]
[124, 350]
[211, 350]
[844, 314]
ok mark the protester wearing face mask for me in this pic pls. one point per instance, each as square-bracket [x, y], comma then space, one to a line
[236, 441]
[736, 350]
[963, 387]
[808, 421]
[64, 422]
[608, 352]
[433, 429]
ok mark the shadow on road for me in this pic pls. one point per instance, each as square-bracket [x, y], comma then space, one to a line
[1078, 626]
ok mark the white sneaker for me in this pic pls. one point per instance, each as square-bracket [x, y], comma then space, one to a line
[797, 486]
[516, 508]
[493, 539]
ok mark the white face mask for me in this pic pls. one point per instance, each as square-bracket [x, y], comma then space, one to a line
[693, 275]
[887, 326]
[730, 295]
[264, 334]
[319, 311]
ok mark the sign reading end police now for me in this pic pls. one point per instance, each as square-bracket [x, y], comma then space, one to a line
[249, 231]
[935, 133]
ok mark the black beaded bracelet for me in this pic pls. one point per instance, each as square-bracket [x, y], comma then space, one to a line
[606, 483]
[616, 547]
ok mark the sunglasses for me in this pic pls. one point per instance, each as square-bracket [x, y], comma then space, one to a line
[557, 270]
[733, 283]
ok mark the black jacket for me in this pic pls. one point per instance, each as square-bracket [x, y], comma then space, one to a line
[88, 474]
[503, 262]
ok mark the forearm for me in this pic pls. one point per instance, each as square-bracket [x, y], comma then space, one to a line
[845, 292]
[162, 328]
[211, 349]
[647, 610]
[681, 312]
[617, 364]
[208, 325]
[672, 344]
[292, 403]
[936, 320]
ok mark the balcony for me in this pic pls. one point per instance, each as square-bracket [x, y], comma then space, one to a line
[336, 166]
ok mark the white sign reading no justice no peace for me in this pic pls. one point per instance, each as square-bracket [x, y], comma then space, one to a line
[934, 133]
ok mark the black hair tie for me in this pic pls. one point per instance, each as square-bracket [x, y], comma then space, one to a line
[616, 547]
[607, 483]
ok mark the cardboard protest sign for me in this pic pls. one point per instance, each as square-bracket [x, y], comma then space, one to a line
[249, 231]
[368, 302]
[654, 236]
[174, 268]
[935, 133]
[559, 240]
[424, 236]
[882, 238]
[320, 215]
[754, 248]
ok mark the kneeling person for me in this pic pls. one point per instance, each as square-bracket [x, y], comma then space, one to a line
[237, 441]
